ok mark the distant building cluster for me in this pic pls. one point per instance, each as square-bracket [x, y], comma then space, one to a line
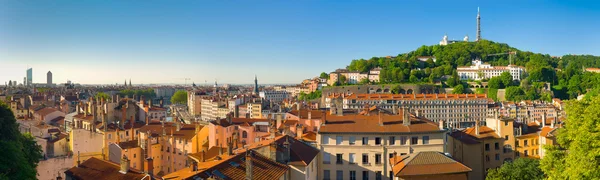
[354, 77]
[480, 70]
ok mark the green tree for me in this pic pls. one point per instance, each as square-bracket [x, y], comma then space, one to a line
[364, 81]
[495, 83]
[396, 89]
[413, 79]
[493, 94]
[578, 153]
[507, 79]
[20, 153]
[514, 93]
[101, 95]
[180, 97]
[324, 75]
[520, 169]
[342, 80]
[458, 89]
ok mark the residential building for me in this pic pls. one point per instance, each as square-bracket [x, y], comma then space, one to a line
[57, 145]
[480, 70]
[194, 102]
[483, 147]
[427, 165]
[362, 143]
[457, 110]
[98, 169]
[310, 119]
[374, 74]
[250, 130]
[213, 108]
[47, 114]
[274, 96]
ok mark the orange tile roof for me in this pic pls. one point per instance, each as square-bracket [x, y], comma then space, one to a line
[484, 132]
[96, 169]
[414, 96]
[45, 111]
[234, 167]
[310, 136]
[300, 153]
[358, 123]
[208, 155]
[303, 113]
[187, 131]
[129, 144]
[426, 163]
[545, 132]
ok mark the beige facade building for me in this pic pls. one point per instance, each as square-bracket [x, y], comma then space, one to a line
[361, 144]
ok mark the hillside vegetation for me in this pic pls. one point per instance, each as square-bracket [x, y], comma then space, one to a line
[565, 74]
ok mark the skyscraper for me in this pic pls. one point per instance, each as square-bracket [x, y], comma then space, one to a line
[478, 26]
[29, 77]
[49, 78]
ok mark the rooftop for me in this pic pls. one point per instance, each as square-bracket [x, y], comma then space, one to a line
[414, 96]
[426, 163]
[366, 123]
[96, 169]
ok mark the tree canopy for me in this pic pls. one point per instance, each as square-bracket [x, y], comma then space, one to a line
[324, 75]
[147, 93]
[20, 153]
[520, 169]
[101, 95]
[577, 155]
[180, 97]
[458, 89]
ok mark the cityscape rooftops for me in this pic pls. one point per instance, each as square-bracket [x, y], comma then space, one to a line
[365, 123]
[96, 169]
[414, 96]
[426, 163]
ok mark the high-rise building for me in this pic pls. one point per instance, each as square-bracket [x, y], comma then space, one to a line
[29, 77]
[49, 78]
[478, 26]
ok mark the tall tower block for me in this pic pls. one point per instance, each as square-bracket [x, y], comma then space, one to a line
[478, 26]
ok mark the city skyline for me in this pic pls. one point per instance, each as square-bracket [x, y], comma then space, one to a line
[159, 42]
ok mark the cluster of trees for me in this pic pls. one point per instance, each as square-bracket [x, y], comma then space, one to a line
[310, 96]
[147, 93]
[180, 97]
[578, 153]
[20, 153]
[520, 169]
[101, 95]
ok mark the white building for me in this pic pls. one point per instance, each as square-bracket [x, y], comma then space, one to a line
[275, 96]
[481, 70]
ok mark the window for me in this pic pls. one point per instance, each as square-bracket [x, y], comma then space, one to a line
[507, 148]
[506, 137]
[526, 153]
[497, 157]
[425, 139]
[487, 158]
[351, 158]
[351, 140]
[352, 175]
[325, 140]
[365, 158]
[378, 175]
[365, 175]
[391, 175]
[496, 146]
[517, 143]
[487, 147]
[392, 140]
[339, 175]
[505, 123]
[133, 155]
[109, 136]
[391, 155]
[377, 141]
[377, 158]
[339, 159]
[414, 140]
[244, 134]
[403, 140]
[338, 140]
[365, 140]
[525, 143]
[326, 158]
[126, 133]
[326, 175]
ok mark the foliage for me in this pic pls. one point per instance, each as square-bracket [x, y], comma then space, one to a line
[578, 153]
[396, 89]
[514, 93]
[479, 91]
[180, 97]
[520, 169]
[458, 89]
[493, 94]
[147, 93]
[342, 80]
[20, 153]
[495, 83]
[324, 75]
[364, 81]
[506, 78]
[310, 96]
[101, 95]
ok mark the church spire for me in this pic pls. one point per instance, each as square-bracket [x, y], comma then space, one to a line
[255, 85]
[478, 37]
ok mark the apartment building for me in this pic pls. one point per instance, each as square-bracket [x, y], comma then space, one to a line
[194, 102]
[480, 70]
[213, 108]
[483, 147]
[245, 130]
[361, 144]
[274, 96]
[456, 110]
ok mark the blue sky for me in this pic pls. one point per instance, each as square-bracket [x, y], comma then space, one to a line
[280, 41]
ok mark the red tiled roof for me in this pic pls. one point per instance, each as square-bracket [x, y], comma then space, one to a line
[301, 153]
[96, 169]
[303, 113]
[426, 163]
[45, 111]
[357, 123]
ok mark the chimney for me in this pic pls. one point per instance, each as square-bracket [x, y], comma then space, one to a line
[477, 127]
[272, 132]
[441, 124]
[544, 119]
[78, 160]
[279, 120]
[150, 102]
[195, 165]
[161, 102]
[553, 123]
[124, 165]
[203, 158]
[118, 98]
[248, 165]
[230, 147]
[149, 166]
[380, 119]
[309, 114]
[147, 119]
[395, 109]
[132, 132]
[177, 124]
[220, 150]
[229, 118]
[287, 147]
[236, 111]
[405, 117]
[104, 122]
[418, 113]
[123, 117]
[299, 131]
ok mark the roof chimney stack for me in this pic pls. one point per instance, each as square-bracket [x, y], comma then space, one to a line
[124, 165]
[477, 127]
[441, 124]
[395, 109]
[248, 165]
[149, 166]
[405, 117]
[299, 131]
[544, 119]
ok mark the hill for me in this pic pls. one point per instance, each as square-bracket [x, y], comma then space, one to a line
[565, 74]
